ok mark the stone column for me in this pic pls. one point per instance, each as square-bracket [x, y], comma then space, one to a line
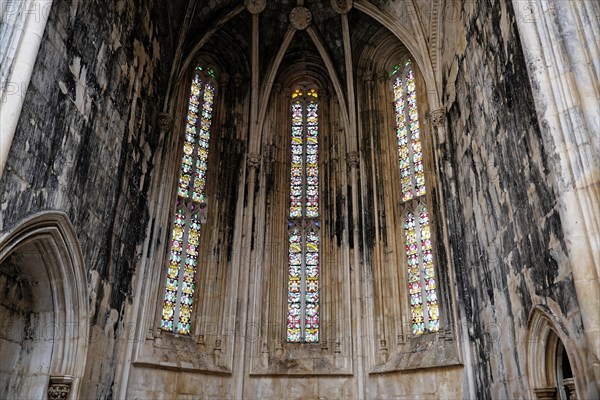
[559, 40]
[24, 19]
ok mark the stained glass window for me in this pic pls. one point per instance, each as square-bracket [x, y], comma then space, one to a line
[421, 272]
[303, 223]
[185, 237]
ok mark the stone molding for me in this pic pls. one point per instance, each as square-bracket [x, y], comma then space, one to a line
[341, 6]
[65, 264]
[255, 6]
[300, 18]
[570, 385]
[548, 393]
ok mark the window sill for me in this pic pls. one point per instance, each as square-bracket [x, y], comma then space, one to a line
[183, 353]
[421, 352]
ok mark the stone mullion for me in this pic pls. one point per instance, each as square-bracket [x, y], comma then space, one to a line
[204, 238]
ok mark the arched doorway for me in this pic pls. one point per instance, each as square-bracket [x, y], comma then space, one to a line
[43, 308]
[551, 371]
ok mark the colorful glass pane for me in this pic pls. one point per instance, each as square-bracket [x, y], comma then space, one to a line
[183, 260]
[428, 272]
[414, 275]
[203, 139]
[303, 265]
[185, 175]
[410, 154]
[172, 283]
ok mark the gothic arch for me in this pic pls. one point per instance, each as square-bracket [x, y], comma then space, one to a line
[42, 254]
[547, 343]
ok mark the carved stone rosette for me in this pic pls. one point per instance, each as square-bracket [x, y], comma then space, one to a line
[255, 6]
[341, 6]
[438, 117]
[300, 18]
[165, 122]
[352, 159]
[253, 161]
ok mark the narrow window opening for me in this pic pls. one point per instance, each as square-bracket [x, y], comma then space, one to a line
[303, 222]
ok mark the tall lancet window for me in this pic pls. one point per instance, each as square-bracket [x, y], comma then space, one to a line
[303, 222]
[185, 236]
[421, 271]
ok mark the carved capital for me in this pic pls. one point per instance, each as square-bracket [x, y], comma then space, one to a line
[548, 393]
[300, 18]
[341, 6]
[59, 387]
[58, 391]
[255, 6]
[352, 159]
[253, 161]
[224, 79]
[570, 385]
[438, 117]
[165, 122]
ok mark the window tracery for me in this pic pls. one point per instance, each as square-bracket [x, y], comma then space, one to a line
[190, 204]
[303, 222]
[419, 253]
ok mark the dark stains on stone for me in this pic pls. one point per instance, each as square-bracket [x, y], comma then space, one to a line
[503, 178]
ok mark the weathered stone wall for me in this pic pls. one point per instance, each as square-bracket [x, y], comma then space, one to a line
[84, 145]
[509, 252]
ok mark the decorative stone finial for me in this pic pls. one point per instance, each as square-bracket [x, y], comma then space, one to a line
[341, 6]
[438, 117]
[165, 122]
[253, 161]
[255, 6]
[300, 18]
[352, 159]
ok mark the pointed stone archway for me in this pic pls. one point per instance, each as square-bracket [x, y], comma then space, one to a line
[44, 309]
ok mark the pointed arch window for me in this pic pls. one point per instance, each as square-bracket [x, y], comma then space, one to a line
[303, 221]
[190, 204]
[419, 253]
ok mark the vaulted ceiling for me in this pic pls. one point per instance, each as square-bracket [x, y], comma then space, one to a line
[224, 30]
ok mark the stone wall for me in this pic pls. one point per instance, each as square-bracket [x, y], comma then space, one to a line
[506, 233]
[84, 145]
